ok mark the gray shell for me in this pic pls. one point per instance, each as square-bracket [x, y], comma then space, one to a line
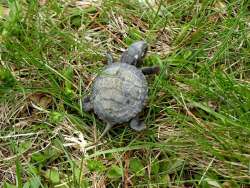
[119, 93]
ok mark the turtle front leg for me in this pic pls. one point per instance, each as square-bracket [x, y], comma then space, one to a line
[137, 125]
[150, 70]
[87, 104]
[110, 58]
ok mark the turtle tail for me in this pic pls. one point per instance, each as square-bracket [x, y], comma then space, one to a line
[107, 128]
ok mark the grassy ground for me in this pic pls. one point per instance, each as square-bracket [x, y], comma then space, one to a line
[198, 115]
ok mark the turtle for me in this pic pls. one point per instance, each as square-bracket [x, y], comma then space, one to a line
[120, 92]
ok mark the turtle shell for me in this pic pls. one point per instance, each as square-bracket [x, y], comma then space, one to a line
[119, 93]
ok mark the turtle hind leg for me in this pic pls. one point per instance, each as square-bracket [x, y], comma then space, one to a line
[137, 125]
[150, 70]
[87, 104]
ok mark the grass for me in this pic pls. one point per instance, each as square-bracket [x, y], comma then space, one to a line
[198, 115]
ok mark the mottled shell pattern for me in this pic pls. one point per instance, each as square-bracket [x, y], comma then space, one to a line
[119, 93]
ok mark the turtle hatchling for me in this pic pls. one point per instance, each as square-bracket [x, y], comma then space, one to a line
[120, 92]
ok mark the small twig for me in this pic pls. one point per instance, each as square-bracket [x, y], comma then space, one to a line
[18, 135]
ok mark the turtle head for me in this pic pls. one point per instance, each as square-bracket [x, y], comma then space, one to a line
[135, 53]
